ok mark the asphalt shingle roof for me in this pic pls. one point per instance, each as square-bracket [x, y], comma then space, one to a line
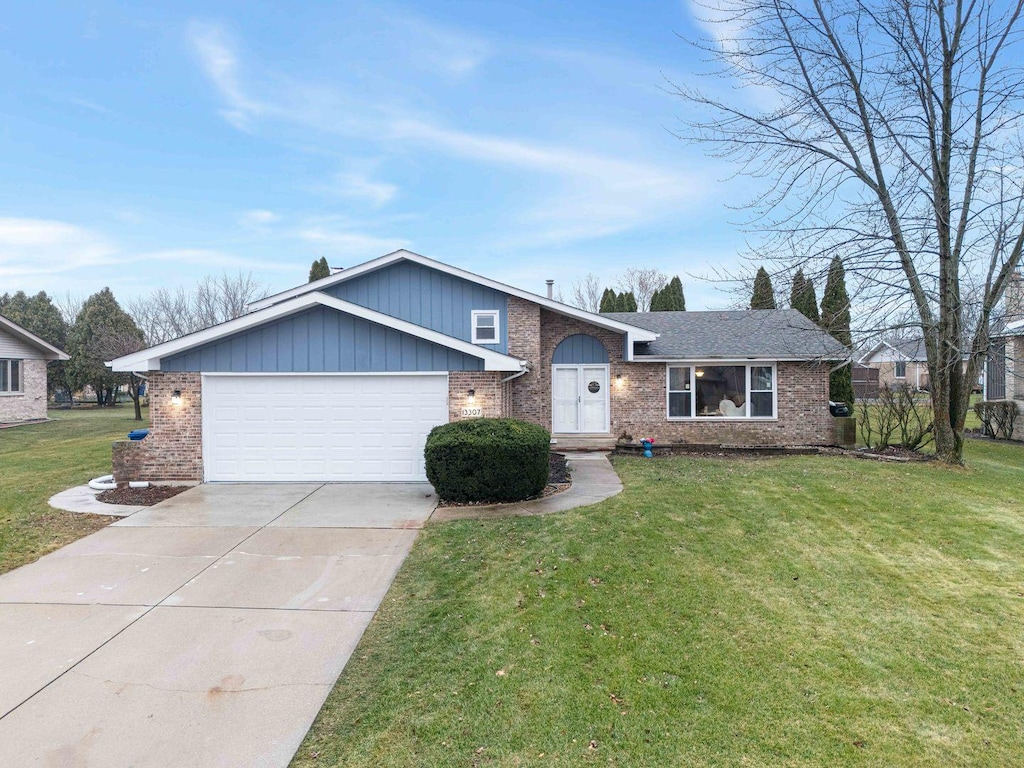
[760, 333]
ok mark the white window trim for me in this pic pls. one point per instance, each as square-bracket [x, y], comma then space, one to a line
[6, 362]
[496, 314]
[895, 368]
[748, 364]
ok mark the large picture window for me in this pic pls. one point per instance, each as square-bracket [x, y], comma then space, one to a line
[721, 391]
[10, 376]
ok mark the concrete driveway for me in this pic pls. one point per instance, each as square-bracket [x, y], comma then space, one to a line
[204, 631]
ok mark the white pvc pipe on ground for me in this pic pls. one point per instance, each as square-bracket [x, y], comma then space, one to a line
[106, 483]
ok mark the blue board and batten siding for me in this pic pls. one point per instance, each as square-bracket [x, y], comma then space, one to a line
[580, 349]
[427, 297]
[321, 340]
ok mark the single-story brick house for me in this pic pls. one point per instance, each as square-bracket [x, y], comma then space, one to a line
[342, 378]
[23, 358]
[1004, 369]
[899, 363]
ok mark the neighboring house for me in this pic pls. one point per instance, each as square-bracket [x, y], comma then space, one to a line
[342, 378]
[1004, 369]
[23, 358]
[899, 363]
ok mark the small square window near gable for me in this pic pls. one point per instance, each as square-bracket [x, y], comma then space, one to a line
[485, 326]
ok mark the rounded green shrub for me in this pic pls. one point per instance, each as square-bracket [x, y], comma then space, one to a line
[488, 460]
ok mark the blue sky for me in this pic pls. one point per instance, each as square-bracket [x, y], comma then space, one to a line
[150, 145]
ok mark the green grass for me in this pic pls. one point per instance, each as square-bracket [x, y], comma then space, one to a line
[787, 611]
[39, 460]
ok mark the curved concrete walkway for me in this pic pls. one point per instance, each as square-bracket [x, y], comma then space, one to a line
[593, 480]
[82, 499]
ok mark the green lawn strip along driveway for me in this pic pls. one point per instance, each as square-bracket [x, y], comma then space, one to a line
[810, 610]
[39, 460]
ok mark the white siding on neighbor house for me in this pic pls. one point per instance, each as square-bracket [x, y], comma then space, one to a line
[12, 347]
[320, 427]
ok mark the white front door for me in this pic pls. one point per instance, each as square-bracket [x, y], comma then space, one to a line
[579, 398]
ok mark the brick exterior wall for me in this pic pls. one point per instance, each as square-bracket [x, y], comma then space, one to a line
[638, 403]
[530, 393]
[1015, 380]
[639, 408]
[173, 450]
[30, 403]
[489, 394]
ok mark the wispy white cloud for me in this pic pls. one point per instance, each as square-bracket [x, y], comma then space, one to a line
[443, 49]
[217, 57]
[88, 104]
[359, 186]
[47, 247]
[258, 218]
[599, 195]
[345, 243]
[586, 194]
[211, 258]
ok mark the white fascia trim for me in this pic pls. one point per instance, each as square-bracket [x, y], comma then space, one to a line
[149, 359]
[28, 337]
[635, 332]
[722, 360]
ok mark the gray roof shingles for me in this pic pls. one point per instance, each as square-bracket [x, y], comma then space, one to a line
[754, 333]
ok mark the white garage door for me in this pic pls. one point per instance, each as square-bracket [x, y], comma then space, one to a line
[288, 428]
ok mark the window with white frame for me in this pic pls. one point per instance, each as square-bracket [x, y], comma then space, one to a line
[10, 376]
[901, 369]
[740, 391]
[485, 326]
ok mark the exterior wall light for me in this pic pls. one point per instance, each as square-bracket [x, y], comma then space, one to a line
[176, 397]
[471, 396]
[618, 380]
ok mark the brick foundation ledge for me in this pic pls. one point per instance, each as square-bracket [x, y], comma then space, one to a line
[134, 461]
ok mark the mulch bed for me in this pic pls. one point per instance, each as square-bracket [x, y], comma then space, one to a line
[559, 480]
[141, 497]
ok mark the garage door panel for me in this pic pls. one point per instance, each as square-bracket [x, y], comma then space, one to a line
[334, 428]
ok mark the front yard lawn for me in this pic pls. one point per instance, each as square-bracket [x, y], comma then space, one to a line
[37, 461]
[787, 611]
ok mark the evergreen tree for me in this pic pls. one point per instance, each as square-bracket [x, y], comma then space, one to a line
[658, 301]
[835, 318]
[764, 294]
[101, 331]
[802, 298]
[39, 315]
[626, 302]
[672, 298]
[319, 269]
[609, 301]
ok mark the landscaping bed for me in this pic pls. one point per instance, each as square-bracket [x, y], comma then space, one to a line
[141, 497]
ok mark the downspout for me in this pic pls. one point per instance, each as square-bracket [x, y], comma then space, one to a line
[526, 369]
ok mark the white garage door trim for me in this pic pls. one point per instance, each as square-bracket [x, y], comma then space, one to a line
[334, 427]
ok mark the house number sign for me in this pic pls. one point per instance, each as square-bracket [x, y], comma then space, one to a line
[477, 411]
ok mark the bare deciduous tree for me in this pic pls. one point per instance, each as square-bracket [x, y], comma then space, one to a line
[113, 341]
[890, 134]
[585, 293]
[69, 305]
[167, 314]
[642, 282]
